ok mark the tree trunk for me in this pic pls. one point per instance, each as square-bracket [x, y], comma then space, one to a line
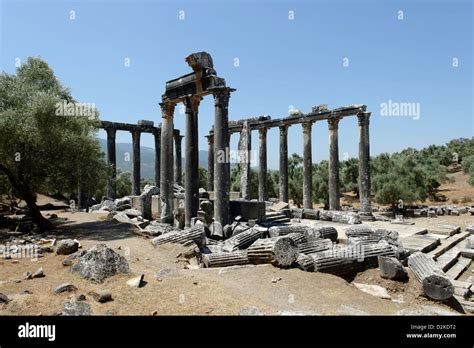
[26, 194]
[43, 223]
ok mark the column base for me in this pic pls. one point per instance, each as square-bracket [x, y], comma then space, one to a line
[365, 216]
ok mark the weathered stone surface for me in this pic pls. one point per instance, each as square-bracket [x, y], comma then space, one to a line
[120, 202]
[374, 290]
[245, 147]
[136, 282]
[344, 217]
[164, 273]
[280, 251]
[66, 287]
[251, 311]
[105, 205]
[321, 232]
[196, 233]
[69, 260]
[146, 197]
[100, 263]
[248, 210]
[470, 242]
[123, 218]
[391, 268]
[348, 259]
[434, 281]
[76, 308]
[156, 228]
[418, 243]
[315, 246]
[304, 263]
[67, 247]
[242, 240]
[225, 259]
[101, 296]
[298, 238]
[39, 273]
[27, 275]
[279, 206]
[4, 298]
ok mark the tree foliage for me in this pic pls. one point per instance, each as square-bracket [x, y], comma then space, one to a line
[40, 151]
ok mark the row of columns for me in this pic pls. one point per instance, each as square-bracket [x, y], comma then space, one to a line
[333, 183]
[136, 175]
[219, 164]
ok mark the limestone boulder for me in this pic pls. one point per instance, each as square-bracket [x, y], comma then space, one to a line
[100, 263]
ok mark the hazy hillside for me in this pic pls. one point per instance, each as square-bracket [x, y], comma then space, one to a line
[147, 154]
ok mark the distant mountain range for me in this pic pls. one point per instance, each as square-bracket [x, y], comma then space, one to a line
[147, 158]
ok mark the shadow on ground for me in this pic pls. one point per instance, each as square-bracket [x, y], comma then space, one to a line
[95, 230]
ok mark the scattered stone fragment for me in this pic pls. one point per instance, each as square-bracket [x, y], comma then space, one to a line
[101, 296]
[374, 290]
[4, 298]
[136, 282]
[66, 287]
[251, 311]
[391, 268]
[27, 275]
[276, 279]
[39, 273]
[76, 308]
[67, 247]
[81, 297]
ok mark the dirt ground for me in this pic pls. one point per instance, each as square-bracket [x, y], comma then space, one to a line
[224, 291]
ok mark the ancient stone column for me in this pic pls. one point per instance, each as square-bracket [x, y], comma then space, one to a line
[307, 166]
[210, 162]
[333, 184]
[191, 160]
[166, 175]
[112, 161]
[283, 182]
[262, 173]
[364, 163]
[177, 158]
[157, 135]
[221, 160]
[136, 163]
[245, 147]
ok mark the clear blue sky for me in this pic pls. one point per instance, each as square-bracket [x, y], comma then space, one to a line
[283, 62]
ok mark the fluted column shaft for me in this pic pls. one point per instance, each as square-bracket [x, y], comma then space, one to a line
[334, 195]
[157, 135]
[283, 181]
[191, 153]
[166, 176]
[221, 160]
[112, 161]
[245, 147]
[364, 163]
[262, 174]
[307, 166]
[136, 163]
[210, 162]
